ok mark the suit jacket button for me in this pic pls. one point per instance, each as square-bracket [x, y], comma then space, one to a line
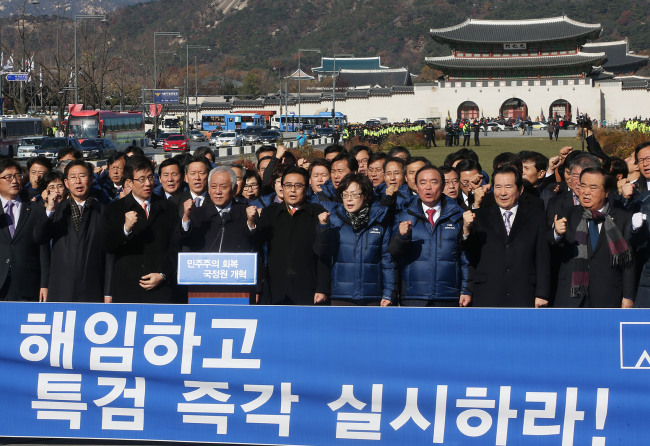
[7, 261]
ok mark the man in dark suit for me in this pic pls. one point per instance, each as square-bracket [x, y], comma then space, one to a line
[196, 177]
[79, 271]
[24, 264]
[561, 204]
[295, 275]
[171, 179]
[472, 189]
[140, 231]
[597, 264]
[506, 248]
[223, 225]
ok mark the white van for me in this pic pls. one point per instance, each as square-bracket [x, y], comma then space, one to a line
[380, 119]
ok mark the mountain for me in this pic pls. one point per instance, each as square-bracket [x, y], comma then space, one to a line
[268, 33]
[69, 8]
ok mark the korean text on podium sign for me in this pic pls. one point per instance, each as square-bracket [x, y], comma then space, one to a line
[200, 268]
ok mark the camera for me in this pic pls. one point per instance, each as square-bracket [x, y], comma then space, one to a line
[584, 121]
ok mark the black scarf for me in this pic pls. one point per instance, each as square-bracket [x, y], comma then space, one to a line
[359, 219]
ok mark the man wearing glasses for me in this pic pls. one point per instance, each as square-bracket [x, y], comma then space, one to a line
[24, 264]
[74, 225]
[140, 232]
[294, 274]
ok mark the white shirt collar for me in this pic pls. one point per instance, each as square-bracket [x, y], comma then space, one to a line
[225, 209]
[512, 209]
[4, 201]
[142, 201]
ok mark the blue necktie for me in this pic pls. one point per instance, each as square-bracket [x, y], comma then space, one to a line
[593, 234]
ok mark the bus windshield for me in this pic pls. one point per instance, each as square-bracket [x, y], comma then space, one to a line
[83, 127]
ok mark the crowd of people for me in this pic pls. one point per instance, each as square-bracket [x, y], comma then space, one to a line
[637, 124]
[377, 134]
[356, 227]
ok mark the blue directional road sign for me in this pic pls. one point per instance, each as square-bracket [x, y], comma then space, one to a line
[18, 77]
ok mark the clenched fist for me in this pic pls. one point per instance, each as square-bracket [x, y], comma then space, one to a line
[468, 221]
[559, 225]
[188, 205]
[405, 228]
[323, 217]
[130, 219]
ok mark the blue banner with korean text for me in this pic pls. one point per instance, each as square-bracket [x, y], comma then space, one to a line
[325, 375]
[165, 96]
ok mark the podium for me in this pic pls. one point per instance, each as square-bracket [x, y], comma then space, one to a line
[218, 278]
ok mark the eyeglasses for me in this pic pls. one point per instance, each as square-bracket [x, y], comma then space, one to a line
[39, 173]
[290, 186]
[143, 180]
[453, 182]
[116, 169]
[54, 188]
[643, 160]
[80, 177]
[16, 176]
[251, 186]
[375, 170]
[353, 195]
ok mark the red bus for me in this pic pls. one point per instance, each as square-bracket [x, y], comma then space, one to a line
[123, 128]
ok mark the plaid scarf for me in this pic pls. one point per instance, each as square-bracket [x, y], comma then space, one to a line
[619, 250]
[77, 212]
[359, 219]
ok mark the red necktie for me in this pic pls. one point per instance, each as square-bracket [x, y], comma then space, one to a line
[144, 206]
[430, 213]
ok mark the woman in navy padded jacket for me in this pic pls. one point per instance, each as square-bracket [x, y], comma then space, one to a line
[355, 237]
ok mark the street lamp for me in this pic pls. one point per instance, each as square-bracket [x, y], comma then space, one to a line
[187, 77]
[334, 84]
[301, 50]
[2, 73]
[174, 34]
[101, 17]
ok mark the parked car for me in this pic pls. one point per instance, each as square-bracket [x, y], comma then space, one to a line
[250, 134]
[98, 148]
[325, 132]
[212, 140]
[269, 137]
[28, 146]
[229, 139]
[196, 135]
[160, 140]
[310, 130]
[50, 147]
[495, 126]
[539, 125]
[176, 142]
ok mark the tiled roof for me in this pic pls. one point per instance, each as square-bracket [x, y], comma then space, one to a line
[503, 31]
[489, 63]
[348, 63]
[372, 78]
[618, 55]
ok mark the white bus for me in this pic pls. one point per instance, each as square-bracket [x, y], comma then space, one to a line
[13, 128]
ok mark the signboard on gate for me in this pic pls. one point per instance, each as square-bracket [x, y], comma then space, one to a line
[325, 375]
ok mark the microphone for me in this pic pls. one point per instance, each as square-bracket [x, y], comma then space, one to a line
[225, 217]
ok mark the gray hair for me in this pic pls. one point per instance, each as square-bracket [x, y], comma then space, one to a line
[585, 161]
[231, 173]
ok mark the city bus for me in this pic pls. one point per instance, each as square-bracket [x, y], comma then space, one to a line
[231, 121]
[13, 128]
[290, 123]
[123, 128]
